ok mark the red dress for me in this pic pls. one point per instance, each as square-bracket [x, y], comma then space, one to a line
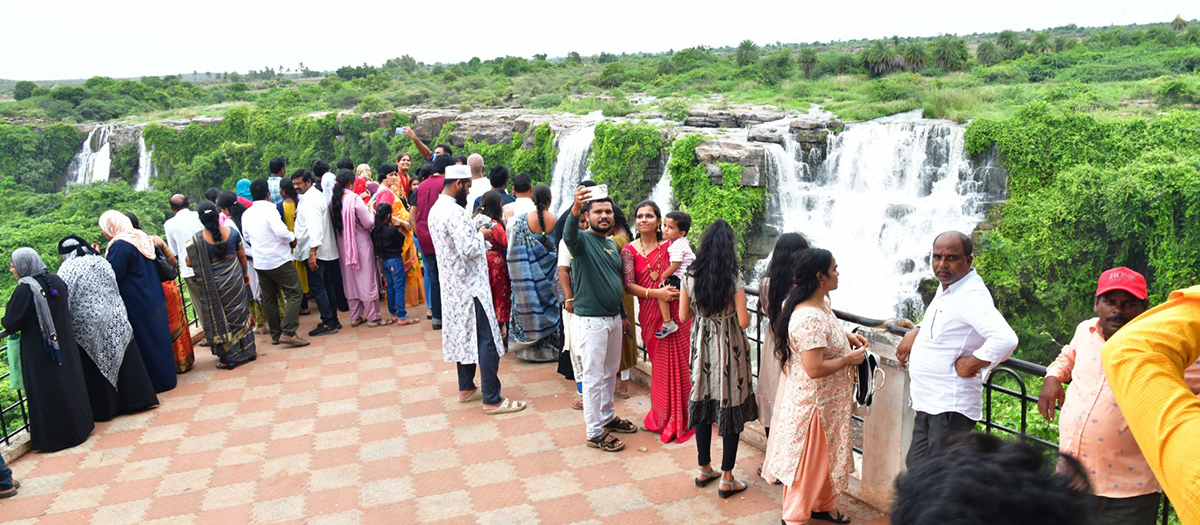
[497, 258]
[671, 380]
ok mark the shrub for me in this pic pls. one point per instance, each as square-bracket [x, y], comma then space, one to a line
[675, 109]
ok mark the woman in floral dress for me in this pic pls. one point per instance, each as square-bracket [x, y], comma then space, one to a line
[809, 447]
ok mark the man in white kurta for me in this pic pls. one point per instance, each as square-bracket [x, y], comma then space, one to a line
[470, 334]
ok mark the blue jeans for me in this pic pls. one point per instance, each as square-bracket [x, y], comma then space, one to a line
[393, 273]
[434, 290]
[6, 479]
[489, 361]
[320, 292]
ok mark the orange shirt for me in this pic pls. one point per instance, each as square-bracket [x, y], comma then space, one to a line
[1091, 427]
[1145, 364]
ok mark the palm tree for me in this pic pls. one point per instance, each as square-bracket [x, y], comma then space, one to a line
[950, 53]
[915, 56]
[881, 59]
[1040, 43]
[1179, 24]
[808, 61]
[1006, 39]
[987, 53]
[747, 53]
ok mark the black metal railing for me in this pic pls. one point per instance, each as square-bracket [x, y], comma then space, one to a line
[14, 414]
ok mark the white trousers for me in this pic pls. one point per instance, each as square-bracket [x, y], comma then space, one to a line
[598, 342]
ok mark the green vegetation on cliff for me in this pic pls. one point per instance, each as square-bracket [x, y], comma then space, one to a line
[623, 156]
[218, 155]
[695, 193]
[1087, 193]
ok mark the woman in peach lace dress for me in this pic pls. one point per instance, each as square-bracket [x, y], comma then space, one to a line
[809, 447]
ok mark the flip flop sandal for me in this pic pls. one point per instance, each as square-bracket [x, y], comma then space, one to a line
[737, 486]
[506, 406]
[623, 395]
[825, 516]
[621, 426]
[606, 442]
[577, 404]
[473, 397]
[704, 479]
[407, 321]
[376, 324]
[357, 322]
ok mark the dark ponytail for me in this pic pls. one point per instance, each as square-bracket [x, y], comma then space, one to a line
[210, 218]
[541, 200]
[807, 264]
[344, 181]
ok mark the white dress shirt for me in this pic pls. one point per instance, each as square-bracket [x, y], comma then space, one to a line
[519, 207]
[179, 230]
[478, 188]
[962, 320]
[314, 229]
[264, 229]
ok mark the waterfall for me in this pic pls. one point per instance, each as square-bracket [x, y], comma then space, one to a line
[663, 194]
[145, 165]
[886, 189]
[94, 160]
[571, 166]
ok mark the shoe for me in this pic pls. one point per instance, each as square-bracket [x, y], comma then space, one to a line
[337, 326]
[305, 311]
[293, 340]
[437, 324]
[321, 329]
[666, 330]
[428, 315]
[734, 485]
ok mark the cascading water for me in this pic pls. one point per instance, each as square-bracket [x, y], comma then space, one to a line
[145, 165]
[94, 160]
[571, 166]
[663, 194]
[886, 189]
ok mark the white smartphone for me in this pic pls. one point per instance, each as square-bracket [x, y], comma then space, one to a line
[599, 191]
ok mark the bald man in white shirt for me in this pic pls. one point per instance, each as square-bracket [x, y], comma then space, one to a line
[960, 338]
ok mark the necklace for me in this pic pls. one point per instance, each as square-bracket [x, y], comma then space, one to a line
[654, 271]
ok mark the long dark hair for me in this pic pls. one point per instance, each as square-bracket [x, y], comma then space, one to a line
[780, 271]
[657, 213]
[228, 200]
[620, 223]
[492, 205]
[542, 195]
[715, 269]
[210, 218]
[808, 264]
[344, 181]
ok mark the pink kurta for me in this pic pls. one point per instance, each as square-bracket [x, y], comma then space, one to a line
[671, 382]
[360, 277]
[802, 398]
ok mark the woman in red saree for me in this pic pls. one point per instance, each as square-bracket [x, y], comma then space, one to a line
[645, 261]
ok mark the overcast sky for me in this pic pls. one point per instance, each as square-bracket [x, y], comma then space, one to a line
[58, 39]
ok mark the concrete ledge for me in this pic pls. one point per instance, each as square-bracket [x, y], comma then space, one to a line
[20, 445]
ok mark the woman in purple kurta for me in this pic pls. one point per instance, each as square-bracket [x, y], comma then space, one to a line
[353, 222]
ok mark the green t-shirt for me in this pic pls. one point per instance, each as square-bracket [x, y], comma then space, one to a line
[596, 272]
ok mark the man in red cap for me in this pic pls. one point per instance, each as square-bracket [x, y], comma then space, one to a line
[1091, 427]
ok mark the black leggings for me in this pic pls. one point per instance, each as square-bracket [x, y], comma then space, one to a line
[704, 443]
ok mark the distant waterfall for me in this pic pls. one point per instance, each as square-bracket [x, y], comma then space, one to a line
[145, 165]
[886, 189]
[94, 160]
[663, 194]
[571, 166]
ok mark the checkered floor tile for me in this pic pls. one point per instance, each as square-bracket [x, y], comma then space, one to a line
[363, 427]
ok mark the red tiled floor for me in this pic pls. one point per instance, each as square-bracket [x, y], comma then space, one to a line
[362, 426]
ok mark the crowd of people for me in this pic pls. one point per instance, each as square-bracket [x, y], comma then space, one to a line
[501, 272]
